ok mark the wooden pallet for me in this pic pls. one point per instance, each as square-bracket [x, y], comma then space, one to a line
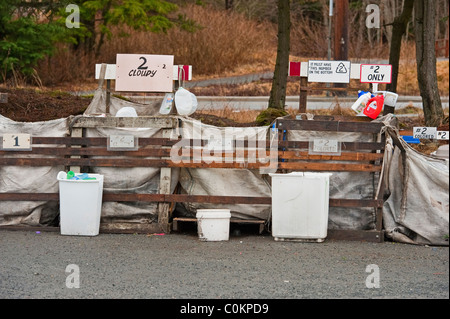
[261, 223]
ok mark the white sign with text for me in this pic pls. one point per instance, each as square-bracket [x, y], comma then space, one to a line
[144, 73]
[329, 71]
[376, 73]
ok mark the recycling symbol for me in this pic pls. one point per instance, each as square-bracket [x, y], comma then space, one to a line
[341, 68]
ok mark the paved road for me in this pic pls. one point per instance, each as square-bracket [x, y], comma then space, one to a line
[261, 102]
[179, 266]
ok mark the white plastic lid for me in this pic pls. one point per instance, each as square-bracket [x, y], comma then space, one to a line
[213, 213]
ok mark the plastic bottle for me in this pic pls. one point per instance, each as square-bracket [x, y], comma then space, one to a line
[374, 106]
[390, 98]
[167, 103]
[360, 104]
[85, 177]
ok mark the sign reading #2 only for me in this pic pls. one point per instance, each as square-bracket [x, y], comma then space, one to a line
[376, 73]
[144, 73]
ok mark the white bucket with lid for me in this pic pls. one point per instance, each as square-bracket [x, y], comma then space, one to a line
[213, 224]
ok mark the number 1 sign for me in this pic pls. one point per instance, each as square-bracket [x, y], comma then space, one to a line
[144, 73]
[16, 142]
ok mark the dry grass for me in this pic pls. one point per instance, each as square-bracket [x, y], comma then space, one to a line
[228, 44]
[225, 43]
[249, 116]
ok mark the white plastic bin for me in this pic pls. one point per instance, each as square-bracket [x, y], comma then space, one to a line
[300, 204]
[213, 224]
[80, 203]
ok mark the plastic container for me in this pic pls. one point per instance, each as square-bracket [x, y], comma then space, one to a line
[80, 204]
[185, 102]
[213, 224]
[126, 111]
[300, 203]
[360, 104]
[390, 98]
[374, 107]
[167, 104]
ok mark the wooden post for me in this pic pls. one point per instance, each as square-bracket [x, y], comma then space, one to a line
[341, 37]
[108, 95]
[3, 97]
[164, 188]
[76, 132]
[303, 94]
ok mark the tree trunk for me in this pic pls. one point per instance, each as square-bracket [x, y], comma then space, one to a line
[399, 26]
[278, 92]
[341, 38]
[228, 4]
[425, 27]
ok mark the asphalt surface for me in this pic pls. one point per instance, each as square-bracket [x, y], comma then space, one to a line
[41, 265]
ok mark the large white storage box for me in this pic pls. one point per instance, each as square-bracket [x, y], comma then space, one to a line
[80, 203]
[213, 224]
[300, 204]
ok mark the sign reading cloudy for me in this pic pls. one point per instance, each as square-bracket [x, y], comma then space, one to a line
[144, 73]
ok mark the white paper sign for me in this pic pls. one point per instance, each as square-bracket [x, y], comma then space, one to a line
[442, 135]
[329, 71]
[16, 142]
[122, 142]
[325, 146]
[427, 133]
[144, 73]
[376, 73]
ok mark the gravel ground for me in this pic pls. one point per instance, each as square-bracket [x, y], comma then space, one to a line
[37, 265]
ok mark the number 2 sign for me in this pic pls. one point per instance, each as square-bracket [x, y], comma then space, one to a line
[144, 73]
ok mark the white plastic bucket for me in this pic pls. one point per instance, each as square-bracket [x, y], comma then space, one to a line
[80, 205]
[213, 224]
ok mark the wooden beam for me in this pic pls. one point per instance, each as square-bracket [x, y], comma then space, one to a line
[130, 122]
[330, 126]
[184, 198]
[331, 167]
[346, 156]
[356, 235]
[345, 146]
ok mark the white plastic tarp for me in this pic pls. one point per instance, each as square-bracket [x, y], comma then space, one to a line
[417, 207]
[349, 185]
[225, 181]
[22, 179]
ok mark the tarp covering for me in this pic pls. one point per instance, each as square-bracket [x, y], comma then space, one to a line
[138, 180]
[22, 179]
[349, 185]
[416, 210]
[226, 181]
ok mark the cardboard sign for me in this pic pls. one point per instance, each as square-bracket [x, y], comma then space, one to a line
[144, 73]
[329, 71]
[376, 73]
